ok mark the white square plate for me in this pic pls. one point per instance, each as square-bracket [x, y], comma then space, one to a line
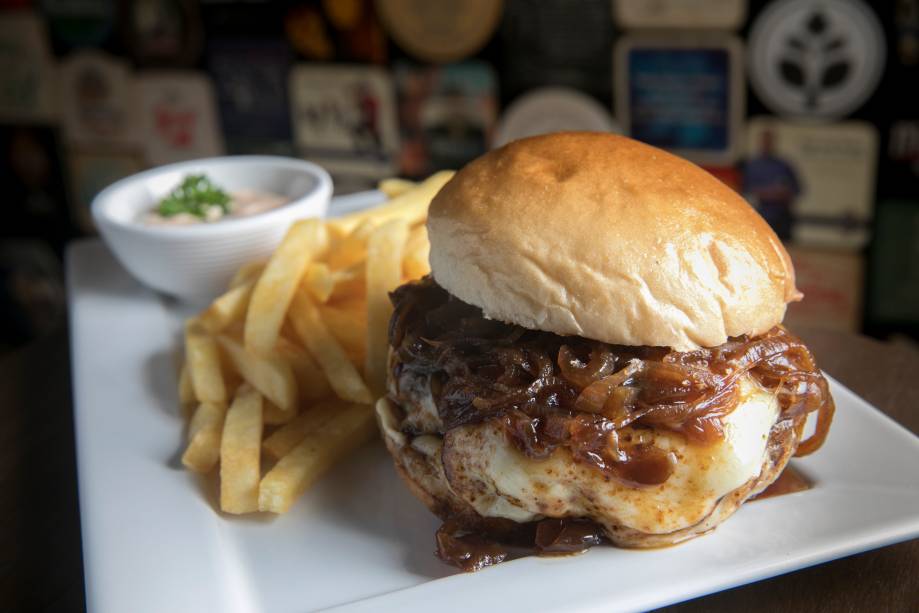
[360, 541]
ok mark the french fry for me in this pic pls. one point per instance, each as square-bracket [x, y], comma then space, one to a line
[203, 359]
[349, 282]
[319, 280]
[353, 248]
[411, 206]
[384, 274]
[344, 378]
[313, 456]
[299, 343]
[395, 186]
[276, 286]
[417, 248]
[273, 416]
[240, 452]
[281, 441]
[204, 434]
[227, 309]
[247, 272]
[348, 324]
[269, 374]
[311, 381]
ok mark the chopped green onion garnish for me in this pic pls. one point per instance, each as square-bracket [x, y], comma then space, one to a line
[194, 196]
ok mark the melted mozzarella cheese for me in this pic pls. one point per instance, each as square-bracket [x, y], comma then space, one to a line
[498, 481]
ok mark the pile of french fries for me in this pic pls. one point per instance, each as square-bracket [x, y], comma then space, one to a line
[281, 371]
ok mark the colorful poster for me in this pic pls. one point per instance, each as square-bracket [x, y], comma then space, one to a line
[446, 113]
[179, 116]
[816, 58]
[682, 93]
[814, 183]
[553, 109]
[344, 117]
[831, 282]
[27, 70]
[686, 14]
[251, 82]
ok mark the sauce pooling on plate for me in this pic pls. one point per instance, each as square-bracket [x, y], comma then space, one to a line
[197, 200]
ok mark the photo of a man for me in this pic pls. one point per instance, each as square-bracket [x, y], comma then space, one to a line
[772, 185]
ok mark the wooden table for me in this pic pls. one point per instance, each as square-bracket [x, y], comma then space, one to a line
[40, 560]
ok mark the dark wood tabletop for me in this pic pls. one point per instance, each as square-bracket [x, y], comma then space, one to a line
[40, 559]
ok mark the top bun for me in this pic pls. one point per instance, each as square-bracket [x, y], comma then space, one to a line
[601, 236]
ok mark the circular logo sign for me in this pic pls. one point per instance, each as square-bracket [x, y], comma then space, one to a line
[816, 58]
[440, 32]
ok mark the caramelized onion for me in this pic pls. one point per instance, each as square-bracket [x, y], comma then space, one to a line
[594, 396]
[549, 392]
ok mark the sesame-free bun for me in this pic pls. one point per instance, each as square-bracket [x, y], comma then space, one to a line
[601, 236]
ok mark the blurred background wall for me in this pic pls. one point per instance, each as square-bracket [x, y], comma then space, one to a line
[809, 108]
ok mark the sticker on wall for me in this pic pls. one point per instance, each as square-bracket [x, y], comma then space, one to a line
[91, 172]
[27, 71]
[179, 117]
[251, 82]
[447, 115]
[163, 32]
[682, 93]
[725, 14]
[99, 106]
[79, 23]
[440, 31]
[831, 282]
[552, 109]
[344, 117]
[894, 269]
[578, 56]
[814, 183]
[816, 58]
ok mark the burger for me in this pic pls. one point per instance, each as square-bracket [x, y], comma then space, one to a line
[598, 353]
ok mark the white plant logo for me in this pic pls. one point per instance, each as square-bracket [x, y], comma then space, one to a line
[816, 59]
[819, 58]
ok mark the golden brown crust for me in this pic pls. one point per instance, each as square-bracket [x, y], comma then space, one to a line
[601, 236]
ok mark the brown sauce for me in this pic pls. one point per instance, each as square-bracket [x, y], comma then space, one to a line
[550, 537]
[789, 482]
[467, 551]
[566, 536]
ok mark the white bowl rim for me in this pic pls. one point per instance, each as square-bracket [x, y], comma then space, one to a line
[323, 188]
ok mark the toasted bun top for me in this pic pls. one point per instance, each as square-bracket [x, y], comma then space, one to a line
[601, 236]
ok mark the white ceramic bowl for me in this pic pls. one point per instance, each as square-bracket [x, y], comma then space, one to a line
[195, 262]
